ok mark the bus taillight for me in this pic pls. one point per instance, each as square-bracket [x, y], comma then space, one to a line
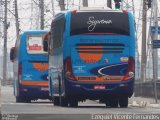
[125, 11]
[74, 11]
[68, 69]
[20, 69]
[130, 71]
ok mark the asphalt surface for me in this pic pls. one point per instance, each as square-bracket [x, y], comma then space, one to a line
[44, 109]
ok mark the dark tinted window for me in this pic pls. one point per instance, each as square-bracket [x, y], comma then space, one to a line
[57, 29]
[99, 22]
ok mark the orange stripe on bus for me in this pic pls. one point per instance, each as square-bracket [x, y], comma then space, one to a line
[33, 83]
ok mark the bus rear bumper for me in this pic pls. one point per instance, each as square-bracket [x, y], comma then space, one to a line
[91, 91]
[34, 92]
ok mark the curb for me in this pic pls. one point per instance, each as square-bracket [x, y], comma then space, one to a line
[143, 104]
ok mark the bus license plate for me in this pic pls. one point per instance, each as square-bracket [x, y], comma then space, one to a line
[99, 87]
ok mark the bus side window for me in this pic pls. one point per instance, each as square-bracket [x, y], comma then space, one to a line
[57, 31]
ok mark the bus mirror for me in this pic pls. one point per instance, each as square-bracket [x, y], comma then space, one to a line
[45, 45]
[12, 54]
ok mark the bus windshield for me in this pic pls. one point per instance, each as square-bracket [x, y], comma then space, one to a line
[35, 44]
[99, 23]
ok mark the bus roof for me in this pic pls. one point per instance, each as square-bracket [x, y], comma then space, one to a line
[91, 10]
[34, 31]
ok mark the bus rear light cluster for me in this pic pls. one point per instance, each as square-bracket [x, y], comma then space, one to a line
[20, 69]
[68, 69]
[130, 71]
[125, 11]
[131, 74]
[74, 11]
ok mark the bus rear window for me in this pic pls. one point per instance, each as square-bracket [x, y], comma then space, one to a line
[35, 44]
[99, 23]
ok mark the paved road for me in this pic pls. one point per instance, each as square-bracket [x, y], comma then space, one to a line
[46, 107]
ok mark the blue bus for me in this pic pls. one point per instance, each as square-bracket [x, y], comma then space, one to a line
[30, 67]
[91, 56]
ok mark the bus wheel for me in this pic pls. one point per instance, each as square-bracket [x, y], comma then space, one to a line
[64, 102]
[107, 102]
[112, 102]
[123, 102]
[73, 102]
[56, 101]
[28, 101]
[19, 99]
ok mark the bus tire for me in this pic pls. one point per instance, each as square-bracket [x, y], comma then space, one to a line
[123, 102]
[28, 101]
[64, 102]
[73, 102]
[19, 99]
[107, 102]
[112, 102]
[56, 101]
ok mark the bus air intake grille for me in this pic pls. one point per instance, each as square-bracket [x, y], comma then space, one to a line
[100, 48]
